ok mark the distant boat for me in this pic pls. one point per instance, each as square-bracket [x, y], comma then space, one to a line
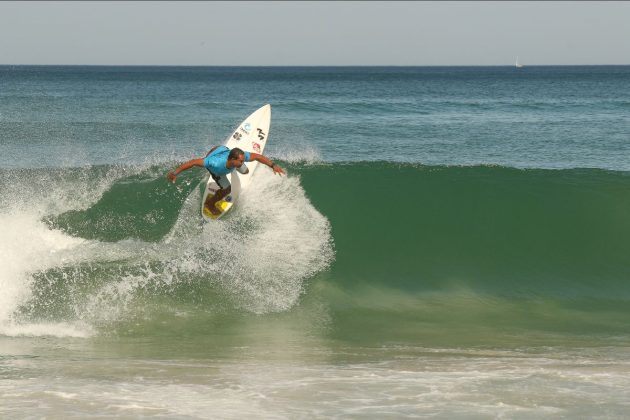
[517, 65]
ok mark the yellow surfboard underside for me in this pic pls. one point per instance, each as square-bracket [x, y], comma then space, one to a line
[221, 205]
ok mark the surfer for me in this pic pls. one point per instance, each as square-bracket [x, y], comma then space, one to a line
[221, 161]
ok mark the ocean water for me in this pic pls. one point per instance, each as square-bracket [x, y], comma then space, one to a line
[449, 242]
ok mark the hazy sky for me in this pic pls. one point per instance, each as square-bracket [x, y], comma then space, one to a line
[314, 33]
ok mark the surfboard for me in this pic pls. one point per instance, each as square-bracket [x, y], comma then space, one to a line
[250, 136]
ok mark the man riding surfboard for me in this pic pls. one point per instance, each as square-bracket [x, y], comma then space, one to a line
[221, 161]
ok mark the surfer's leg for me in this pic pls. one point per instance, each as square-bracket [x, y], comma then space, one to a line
[226, 188]
[212, 201]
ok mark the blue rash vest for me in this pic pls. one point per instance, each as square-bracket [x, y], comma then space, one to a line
[215, 162]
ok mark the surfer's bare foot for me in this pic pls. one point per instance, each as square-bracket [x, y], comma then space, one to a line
[212, 209]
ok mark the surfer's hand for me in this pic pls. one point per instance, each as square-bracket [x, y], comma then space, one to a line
[171, 176]
[278, 170]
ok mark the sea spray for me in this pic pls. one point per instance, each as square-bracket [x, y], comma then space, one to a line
[28, 246]
[255, 260]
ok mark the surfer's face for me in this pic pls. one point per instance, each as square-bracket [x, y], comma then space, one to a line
[238, 162]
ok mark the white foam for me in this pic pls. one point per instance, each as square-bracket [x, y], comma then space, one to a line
[261, 254]
[268, 246]
[315, 383]
[299, 154]
[26, 246]
[54, 329]
[64, 395]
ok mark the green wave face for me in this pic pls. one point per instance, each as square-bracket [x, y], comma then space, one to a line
[456, 253]
[500, 230]
[139, 206]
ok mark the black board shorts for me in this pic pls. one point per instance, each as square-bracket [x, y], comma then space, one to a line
[222, 180]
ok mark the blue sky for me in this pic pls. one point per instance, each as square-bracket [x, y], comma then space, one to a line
[314, 33]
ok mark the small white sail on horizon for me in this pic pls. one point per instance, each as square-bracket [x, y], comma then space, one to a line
[517, 65]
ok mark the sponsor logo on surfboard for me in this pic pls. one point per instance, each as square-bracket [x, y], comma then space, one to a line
[256, 147]
[237, 136]
[261, 134]
[245, 128]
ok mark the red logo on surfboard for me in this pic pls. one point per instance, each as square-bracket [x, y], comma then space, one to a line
[256, 147]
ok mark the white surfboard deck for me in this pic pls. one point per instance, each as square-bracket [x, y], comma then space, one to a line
[250, 136]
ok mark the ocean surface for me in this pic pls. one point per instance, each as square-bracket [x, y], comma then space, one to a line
[449, 242]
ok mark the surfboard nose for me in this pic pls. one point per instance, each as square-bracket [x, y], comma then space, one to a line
[266, 109]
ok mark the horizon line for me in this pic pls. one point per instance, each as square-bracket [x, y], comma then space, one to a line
[305, 65]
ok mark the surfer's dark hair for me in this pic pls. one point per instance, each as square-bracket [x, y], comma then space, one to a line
[235, 153]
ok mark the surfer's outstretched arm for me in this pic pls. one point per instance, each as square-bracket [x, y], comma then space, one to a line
[172, 176]
[265, 160]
